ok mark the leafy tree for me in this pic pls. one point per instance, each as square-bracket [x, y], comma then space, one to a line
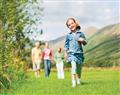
[13, 39]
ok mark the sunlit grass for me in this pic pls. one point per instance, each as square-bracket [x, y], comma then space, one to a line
[94, 82]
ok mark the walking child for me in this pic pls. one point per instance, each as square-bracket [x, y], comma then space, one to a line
[59, 63]
[73, 49]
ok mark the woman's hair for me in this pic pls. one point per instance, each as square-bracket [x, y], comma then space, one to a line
[78, 26]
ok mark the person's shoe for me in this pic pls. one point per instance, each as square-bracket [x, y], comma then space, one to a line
[73, 83]
[78, 82]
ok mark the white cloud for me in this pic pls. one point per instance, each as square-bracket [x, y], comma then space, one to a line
[95, 13]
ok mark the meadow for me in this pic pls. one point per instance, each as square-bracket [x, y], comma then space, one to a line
[94, 82]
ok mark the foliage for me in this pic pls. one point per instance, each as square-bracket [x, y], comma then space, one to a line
[13, 41]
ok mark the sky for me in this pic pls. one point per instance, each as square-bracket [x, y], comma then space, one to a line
[98, 13]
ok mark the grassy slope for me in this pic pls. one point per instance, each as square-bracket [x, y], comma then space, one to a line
[104, 45]
[94, 82]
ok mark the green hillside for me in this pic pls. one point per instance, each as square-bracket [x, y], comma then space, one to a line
[103, 48]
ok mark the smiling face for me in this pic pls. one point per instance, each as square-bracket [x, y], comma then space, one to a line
[71, 25]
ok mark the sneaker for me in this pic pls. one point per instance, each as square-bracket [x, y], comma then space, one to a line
[78, 81]
[73, 83]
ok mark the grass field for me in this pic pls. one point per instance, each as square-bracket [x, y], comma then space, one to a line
[94, 82]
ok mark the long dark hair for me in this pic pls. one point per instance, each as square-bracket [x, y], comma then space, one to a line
[78, 27]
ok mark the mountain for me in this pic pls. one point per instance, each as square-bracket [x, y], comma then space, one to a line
[89, 31]
[59, 42]
[104, 47]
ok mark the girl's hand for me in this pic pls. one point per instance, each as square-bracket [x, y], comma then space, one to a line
[80, 39]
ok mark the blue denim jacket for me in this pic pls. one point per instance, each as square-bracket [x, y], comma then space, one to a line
[73, 47]
[72, 44]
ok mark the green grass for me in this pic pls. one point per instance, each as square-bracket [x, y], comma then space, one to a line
[94, 82]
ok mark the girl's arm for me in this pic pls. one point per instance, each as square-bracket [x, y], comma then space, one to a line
[66, 47]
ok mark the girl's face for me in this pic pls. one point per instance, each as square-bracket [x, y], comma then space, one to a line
[71, 25]
[59, 49]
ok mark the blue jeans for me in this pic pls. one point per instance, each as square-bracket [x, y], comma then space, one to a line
[47, 67]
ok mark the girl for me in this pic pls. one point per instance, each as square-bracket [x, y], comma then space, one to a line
[59, 63]
[73, 49]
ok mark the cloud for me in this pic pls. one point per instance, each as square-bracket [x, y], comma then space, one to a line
[88, 13]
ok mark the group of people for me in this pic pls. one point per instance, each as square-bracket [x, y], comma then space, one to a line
[73, 53]
[47, 56]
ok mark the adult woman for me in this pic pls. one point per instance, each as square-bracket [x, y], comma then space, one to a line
[47, 56]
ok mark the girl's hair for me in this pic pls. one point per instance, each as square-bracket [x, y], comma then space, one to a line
[60, 49]
[78, 26]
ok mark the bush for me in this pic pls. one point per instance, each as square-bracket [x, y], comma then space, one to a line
[107, 62]
[5, 81]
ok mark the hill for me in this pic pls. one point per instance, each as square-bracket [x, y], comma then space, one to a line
[89, 31]
[103, 47]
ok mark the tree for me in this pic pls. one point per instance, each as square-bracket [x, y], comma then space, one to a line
[13, 39]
